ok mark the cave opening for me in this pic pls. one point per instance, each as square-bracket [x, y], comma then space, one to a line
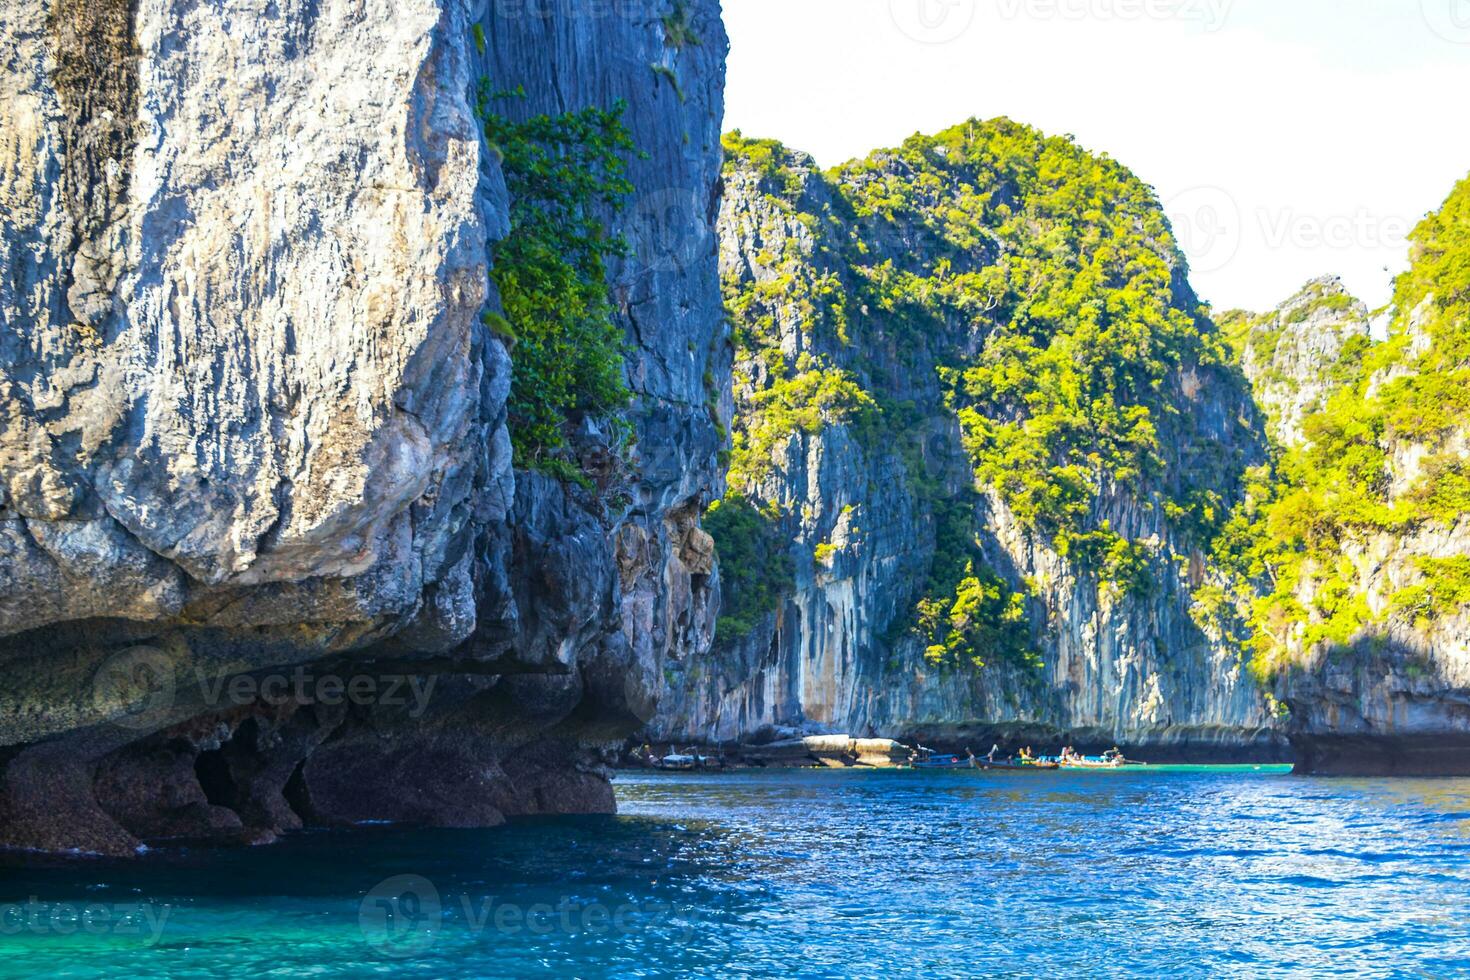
[297, 796]
[212, 770]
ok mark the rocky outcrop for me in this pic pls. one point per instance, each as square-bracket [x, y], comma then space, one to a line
[1351, 562]
[863, 513]
[1294, 356]
[253, 442]
[1393, 696]
[1305, 520]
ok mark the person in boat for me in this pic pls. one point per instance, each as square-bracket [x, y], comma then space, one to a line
[1026, 755]
[994, 751]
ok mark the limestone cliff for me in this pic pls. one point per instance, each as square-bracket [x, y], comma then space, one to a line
[251, 419]
[1359, 555]
[864, 301]
[1294, 355]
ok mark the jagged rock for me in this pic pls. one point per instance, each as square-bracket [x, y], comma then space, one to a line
[697, 551]
[250, 418]
[1394, 698]
[1290, 355]
[860, 531]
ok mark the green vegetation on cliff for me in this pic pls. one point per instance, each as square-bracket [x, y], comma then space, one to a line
[969, 616]
[1015, 283]
[565, 174]
[1288, 548]
[755, 570]
[1064, 403]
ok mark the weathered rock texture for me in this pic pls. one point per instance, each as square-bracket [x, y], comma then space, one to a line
[250, 418]
[1292, 355]
[1395, 698]
[833, 655]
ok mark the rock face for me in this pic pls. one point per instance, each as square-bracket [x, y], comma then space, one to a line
[252, 428]
[862, 517]
[1393, 697]
[1351, 562]
[1293, 355]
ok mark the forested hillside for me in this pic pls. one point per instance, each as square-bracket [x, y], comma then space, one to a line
[980, 403]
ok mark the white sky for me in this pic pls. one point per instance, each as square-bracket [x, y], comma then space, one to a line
[1287, 138]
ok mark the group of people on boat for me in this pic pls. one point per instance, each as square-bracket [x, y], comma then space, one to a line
[675, 759]
[919, 758]
[1072, 759]
[1069, 758]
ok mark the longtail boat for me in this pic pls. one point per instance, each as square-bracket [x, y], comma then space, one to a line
[969, 761]
[1112, 759]
[1014, 764]
[1024, 762]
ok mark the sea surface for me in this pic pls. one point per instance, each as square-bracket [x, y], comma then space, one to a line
[807, 874]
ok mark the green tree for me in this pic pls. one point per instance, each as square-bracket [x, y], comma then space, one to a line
[566, 175]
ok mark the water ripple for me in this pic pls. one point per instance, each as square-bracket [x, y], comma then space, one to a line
[878, 874]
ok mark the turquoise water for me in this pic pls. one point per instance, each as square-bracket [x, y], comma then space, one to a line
[812, 874]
